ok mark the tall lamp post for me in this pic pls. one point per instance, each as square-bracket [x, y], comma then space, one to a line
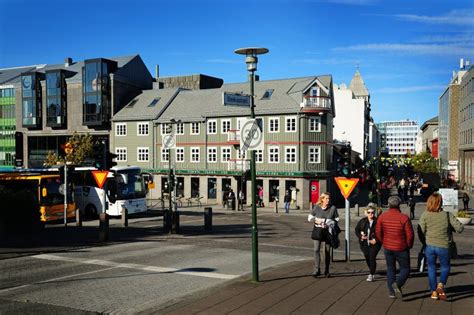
[251, 60]
[172, 223]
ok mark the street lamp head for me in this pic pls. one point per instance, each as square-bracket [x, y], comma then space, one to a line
[251, 53]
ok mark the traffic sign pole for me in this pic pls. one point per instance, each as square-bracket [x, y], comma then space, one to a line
[347, 230]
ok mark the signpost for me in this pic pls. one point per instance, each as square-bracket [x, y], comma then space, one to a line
[346, 186]
[100, 177]
[235, 99]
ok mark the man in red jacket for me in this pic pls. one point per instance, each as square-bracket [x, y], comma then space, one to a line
[395, 232]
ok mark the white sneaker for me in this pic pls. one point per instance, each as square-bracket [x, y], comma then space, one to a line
[370, 278]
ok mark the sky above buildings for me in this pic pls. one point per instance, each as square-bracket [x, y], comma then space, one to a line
[405, 50]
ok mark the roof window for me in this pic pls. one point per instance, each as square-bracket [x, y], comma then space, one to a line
[132, 103]
[154, 102]
[267, 95]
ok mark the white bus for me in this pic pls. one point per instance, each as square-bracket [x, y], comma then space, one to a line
[124, 188]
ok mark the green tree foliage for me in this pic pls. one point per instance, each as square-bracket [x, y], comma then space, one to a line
[81, 149]
[424, 163]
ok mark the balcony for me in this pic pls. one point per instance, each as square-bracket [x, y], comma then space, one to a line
[238, 165]
[233, 137]
[315, 104]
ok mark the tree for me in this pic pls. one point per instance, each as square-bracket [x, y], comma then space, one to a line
[424, 163]
[81, 146]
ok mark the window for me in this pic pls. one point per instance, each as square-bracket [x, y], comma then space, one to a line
[273, 124]
[212, 127]
[180, 129]
[290, 125]
[165, 155]
[194, 154]
[225, 154]
[267, 95]
[121, 154]
[166, 129]
[154, 102]
[195, 128]
[290, 154]
[180, 155]
[121, 129]
[314, 154]
[273, 154]
[142, 129]
[315, 124]
[142, 154]
[258, 156]
[225, 125]
[212, 154]
[241, 154]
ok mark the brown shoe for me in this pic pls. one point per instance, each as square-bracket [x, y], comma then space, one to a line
[434, 295]
[441, 293]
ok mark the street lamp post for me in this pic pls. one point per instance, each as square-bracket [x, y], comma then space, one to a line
[251, 60]
[172, 224]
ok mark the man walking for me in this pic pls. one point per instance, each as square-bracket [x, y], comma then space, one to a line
[395, 232]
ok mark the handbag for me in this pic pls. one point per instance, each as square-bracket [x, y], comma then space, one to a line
[453, 250]
[317, 233]
[421, 261]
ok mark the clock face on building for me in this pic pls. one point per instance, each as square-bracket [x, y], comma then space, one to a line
[26, 81]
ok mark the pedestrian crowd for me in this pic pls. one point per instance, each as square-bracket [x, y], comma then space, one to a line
[393, 231]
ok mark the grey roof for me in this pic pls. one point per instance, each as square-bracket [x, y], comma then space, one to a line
[139, 109]
[12, 75]
[196, 105]
[432, 121]
[357, 85]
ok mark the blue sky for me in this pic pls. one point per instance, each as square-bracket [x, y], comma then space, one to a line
[406, 50]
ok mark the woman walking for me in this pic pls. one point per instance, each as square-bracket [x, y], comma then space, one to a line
[324, 217]
[365, 231]
[437, 225]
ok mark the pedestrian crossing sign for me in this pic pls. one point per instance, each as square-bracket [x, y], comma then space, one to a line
[346, 185]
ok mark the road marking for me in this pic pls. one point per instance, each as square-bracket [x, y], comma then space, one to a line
[54, 279]
[113, 264]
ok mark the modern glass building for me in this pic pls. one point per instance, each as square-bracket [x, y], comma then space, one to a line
[7, 126]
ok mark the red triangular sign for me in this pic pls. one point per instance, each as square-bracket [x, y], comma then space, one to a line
[346, 185]
[100, 177]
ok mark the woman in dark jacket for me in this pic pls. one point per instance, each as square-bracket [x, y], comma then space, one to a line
[365, 231]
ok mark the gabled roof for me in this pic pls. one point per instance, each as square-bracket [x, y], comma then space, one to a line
[12, 75]
[358, 86]
[139, 108]
[432, 121]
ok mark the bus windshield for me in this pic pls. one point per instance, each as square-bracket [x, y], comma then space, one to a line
[133, 187]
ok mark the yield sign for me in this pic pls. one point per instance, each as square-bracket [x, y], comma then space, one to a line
[100, 177]
[346, 185]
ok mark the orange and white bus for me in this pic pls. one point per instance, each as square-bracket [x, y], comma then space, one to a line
[44, 190]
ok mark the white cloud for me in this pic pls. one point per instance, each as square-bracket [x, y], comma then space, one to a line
[455, 17]
[418, 49]
[327, 61]
[410, 89]
[460, 39]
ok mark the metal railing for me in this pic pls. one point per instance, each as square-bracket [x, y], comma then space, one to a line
[240, 165]
[317, 101]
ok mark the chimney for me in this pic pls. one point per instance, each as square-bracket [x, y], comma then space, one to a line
[257, 77]
[157, 72]
[461, 64]
[67, 61]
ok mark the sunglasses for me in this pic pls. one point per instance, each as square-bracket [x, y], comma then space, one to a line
[370, 212]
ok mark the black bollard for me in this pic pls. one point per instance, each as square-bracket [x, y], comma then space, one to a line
[208, 219]
[166, 221]
[103, 227]
[78, 217]
[124, 217]
[175, 222]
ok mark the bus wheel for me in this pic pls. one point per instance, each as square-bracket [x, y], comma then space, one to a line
[91, 212]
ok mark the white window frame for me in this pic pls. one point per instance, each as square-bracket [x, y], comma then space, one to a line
[271, 153]
[165, 154]
[311, 124]
[145, 152]
[121, 129]
[180, 129]
[198, 127]
[121, 154]
[143, 129]
[212, 154]
[165, 130]
[274, 120]
[289, 151]
[226, 154]
[289, 118]
[179, 151]
[198, 149]
[224, 122]
[311, 159]
[259, 156]
[212, 127]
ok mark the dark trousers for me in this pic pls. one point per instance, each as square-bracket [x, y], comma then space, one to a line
[370, 254]
[466, 205]
[403, 259]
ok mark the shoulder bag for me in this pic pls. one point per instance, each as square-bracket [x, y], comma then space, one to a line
[453, 249]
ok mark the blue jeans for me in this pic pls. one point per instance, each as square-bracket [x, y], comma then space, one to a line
[431, 252]
[287, 207]
[403, 259]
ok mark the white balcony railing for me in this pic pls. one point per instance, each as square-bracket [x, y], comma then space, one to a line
[317, 101]
[233, 136]
[238, 165]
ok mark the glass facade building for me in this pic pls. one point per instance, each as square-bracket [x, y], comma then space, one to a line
[7, 126]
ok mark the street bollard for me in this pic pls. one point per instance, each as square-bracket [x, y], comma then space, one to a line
[166, 221]
[208, 219]
[103, 227]
[124, 218]
[175, 222]
[357, 208]
[78, 217]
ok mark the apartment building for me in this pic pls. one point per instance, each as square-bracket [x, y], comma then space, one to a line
[399, 137]
[466, 130]
[297, 117]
